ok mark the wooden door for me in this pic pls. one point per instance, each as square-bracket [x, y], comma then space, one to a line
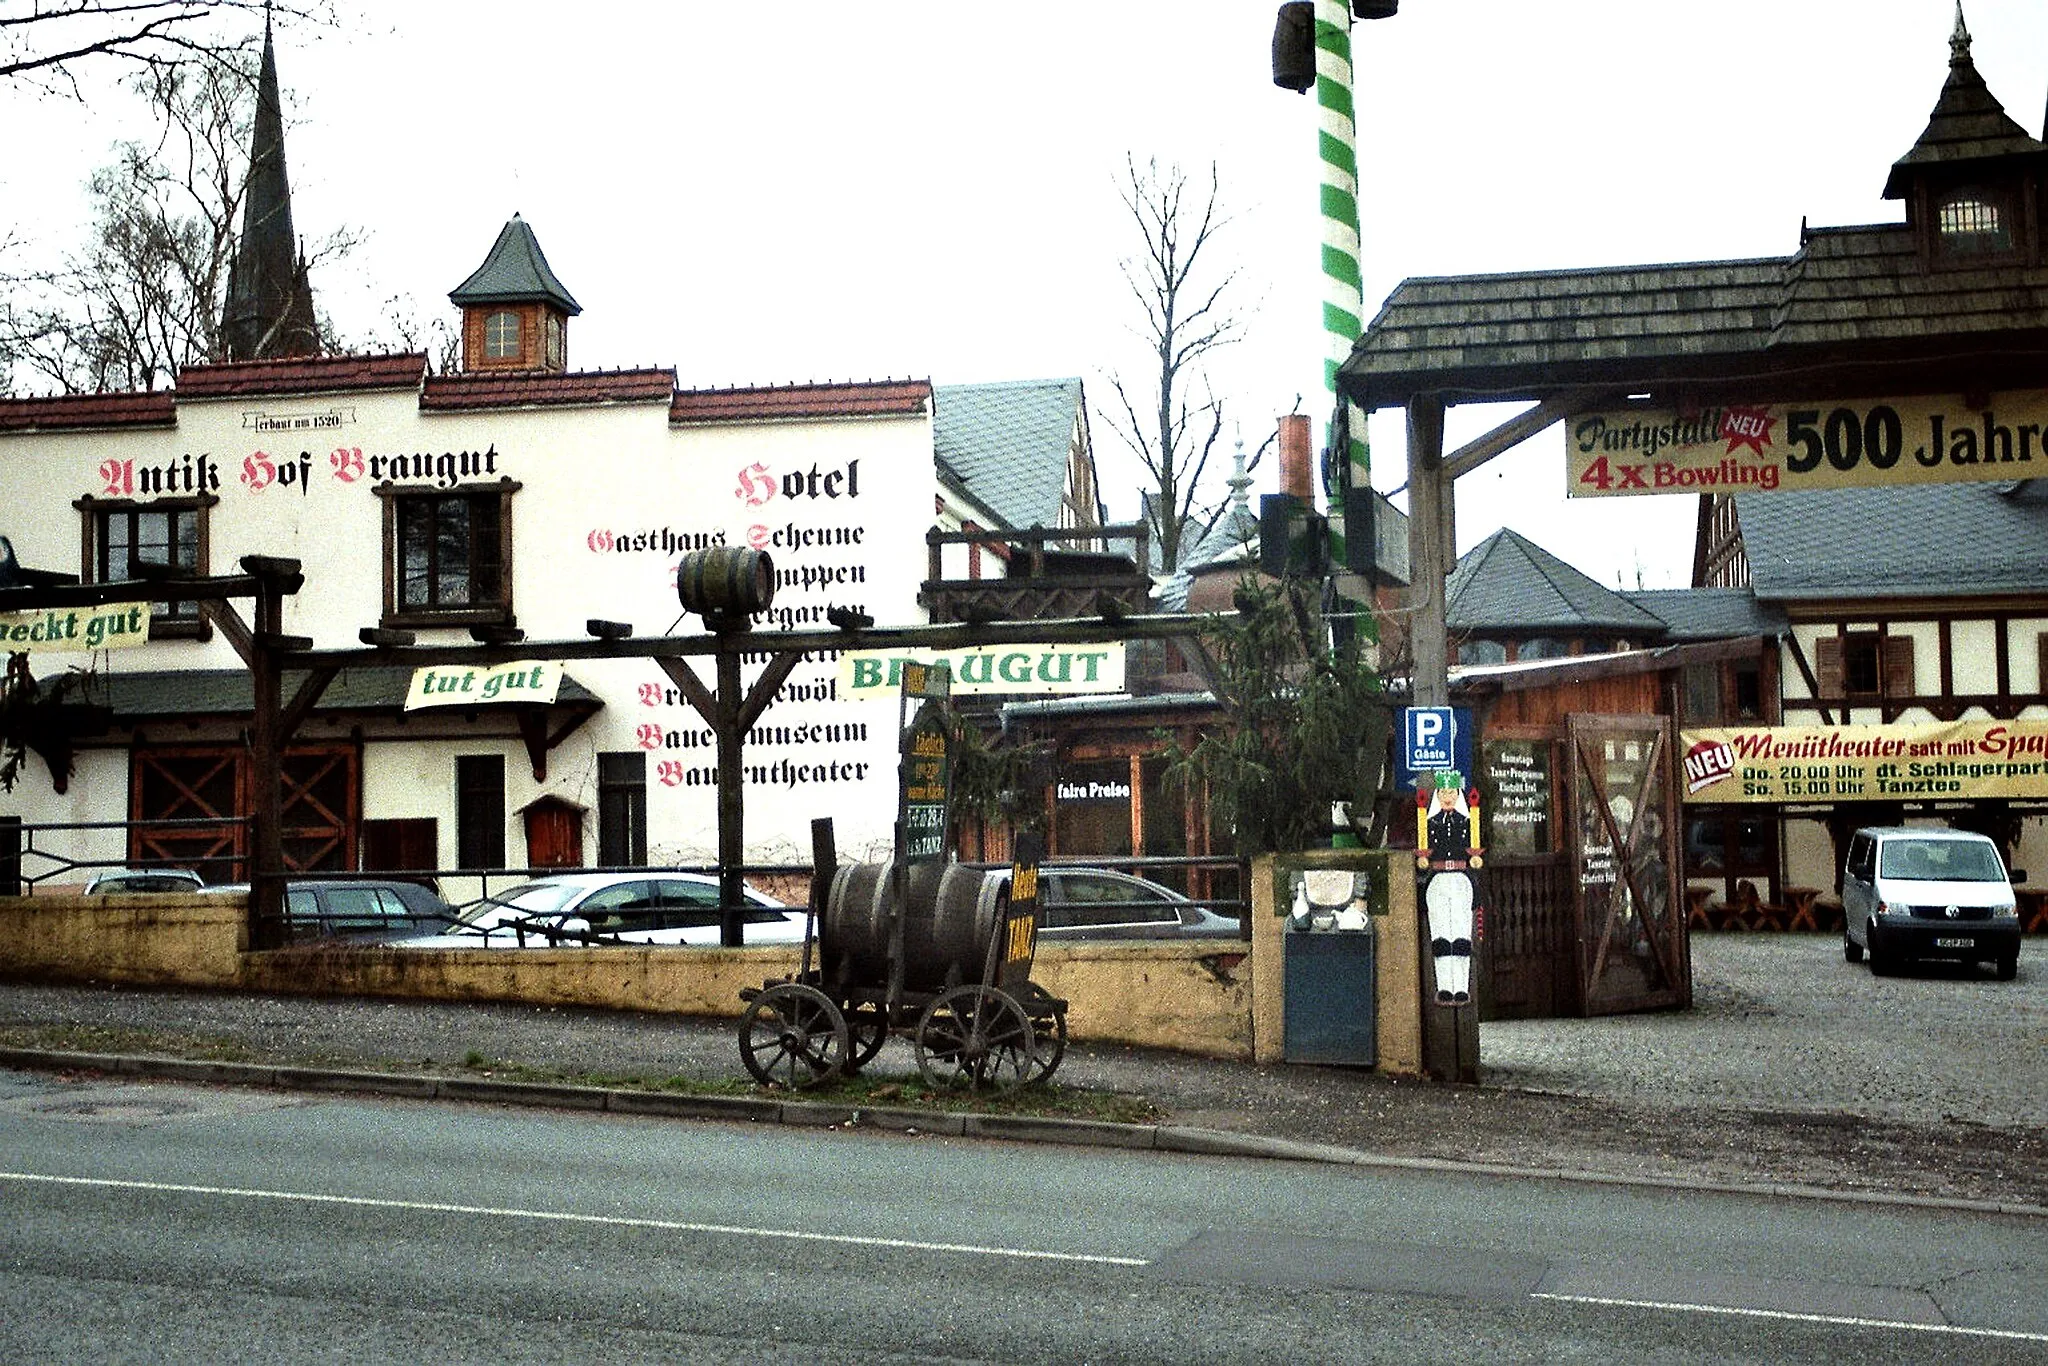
[554, 834]
[1633, 953]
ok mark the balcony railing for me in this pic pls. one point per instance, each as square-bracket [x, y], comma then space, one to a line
[1050, 573]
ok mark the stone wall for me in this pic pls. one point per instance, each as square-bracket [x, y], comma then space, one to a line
[1195, 997]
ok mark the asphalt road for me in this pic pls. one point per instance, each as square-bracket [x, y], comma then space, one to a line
[154, 1222]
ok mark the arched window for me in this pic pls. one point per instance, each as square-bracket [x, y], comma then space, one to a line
[501, 335]
[1971, 223]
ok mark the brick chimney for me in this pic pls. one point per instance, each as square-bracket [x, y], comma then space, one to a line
[1297, 457]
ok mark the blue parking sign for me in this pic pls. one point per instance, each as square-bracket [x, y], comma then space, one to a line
[1429, 738]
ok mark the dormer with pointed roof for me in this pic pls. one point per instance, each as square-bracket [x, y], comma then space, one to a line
[268, 314]
[1973, 182]
[515, 313]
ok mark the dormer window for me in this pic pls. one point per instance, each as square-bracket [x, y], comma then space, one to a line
[1972, 223]
[557, 355]
[501, 336]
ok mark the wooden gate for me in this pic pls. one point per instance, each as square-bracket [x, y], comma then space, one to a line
[1633, 953]
[1528, 962]
[322, 796]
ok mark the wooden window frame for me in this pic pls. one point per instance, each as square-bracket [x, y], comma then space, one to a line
[1961, 245]
[622, 808]
[554, 340]
[497, 348]
[167, 621]
[1890, 658]
[400, 614]
[479, 811]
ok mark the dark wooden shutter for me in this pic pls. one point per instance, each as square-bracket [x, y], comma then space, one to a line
[1898, 667]
[1827, 665]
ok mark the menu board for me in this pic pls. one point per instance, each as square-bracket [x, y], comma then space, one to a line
[1514, 777]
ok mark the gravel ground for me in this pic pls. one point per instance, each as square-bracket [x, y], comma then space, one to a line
[1793, 1067]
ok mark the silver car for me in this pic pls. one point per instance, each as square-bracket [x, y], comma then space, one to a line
[568, 909]
[1922, 892]
[1095, 903]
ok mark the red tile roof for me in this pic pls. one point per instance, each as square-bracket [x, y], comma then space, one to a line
[87, 410]
[527, 388]
[874, 398]
[302, 375]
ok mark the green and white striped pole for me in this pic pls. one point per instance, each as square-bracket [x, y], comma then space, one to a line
[1343, 292]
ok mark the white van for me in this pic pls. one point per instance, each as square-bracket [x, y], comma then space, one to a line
[1922, 892]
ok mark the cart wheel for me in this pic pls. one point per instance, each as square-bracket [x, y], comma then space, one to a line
[1048, 1030]
[793, 1036]
[868, 1029]
[976, 1037]
[1049, 1044]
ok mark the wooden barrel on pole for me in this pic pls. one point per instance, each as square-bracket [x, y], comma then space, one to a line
[726, 585]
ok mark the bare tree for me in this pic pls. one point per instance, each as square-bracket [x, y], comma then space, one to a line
[1174, 423]
[145, 295]
[46, 43]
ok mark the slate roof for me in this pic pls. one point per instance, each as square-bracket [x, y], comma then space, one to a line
[303, 375]
[1709, 613]
[1008, 443]
[1914, 540]
[58, 412]
[788, 402]
[1508, 582]
[544, 388]
[226, 692]
[514, 272]
[1847, 298]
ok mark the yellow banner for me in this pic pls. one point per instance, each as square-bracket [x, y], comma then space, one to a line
[1860, 443]
[1938, 759]
[527, 680]
[76, 628]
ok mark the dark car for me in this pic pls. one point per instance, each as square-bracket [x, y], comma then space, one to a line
[1095, 903]
[363, 911]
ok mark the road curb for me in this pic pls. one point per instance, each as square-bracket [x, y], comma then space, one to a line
[1013, 1128]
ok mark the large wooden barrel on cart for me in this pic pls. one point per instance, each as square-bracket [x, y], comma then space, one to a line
[954, 914]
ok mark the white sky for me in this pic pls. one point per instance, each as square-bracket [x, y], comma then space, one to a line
[758, 193]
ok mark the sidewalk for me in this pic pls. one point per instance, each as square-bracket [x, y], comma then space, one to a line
[1773, 1081]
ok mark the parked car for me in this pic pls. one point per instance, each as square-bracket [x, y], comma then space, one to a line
[611, 908]
[110, 880]
[1095, 903]
[1922, 892]
[360, 910]
[363, 911]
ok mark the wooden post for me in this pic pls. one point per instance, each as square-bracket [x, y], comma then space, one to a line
[732, 842]
[1450, 1034]
[266, 763]
[1429, 496]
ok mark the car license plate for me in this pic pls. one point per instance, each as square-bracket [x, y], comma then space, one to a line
[1954, 943]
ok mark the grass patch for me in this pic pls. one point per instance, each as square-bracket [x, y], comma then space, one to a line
[866, 1091]
[82, 1038]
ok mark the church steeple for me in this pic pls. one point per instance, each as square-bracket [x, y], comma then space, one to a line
[269, 310]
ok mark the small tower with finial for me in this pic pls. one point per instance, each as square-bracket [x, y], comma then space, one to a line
[515, 313]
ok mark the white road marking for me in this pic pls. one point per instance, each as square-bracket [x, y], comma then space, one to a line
[1842, 1320]
[670, 1225]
